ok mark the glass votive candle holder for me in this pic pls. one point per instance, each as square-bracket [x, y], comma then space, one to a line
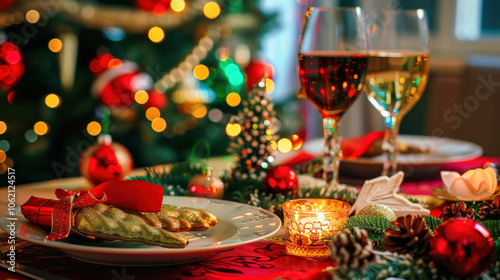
[309, 221]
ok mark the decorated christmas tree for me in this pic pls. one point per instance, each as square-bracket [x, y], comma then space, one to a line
[164, 69]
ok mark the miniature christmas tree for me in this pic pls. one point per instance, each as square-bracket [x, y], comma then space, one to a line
[253, 144]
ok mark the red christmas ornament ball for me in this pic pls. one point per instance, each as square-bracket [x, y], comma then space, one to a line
[206, 185]
[462, 247]
[11, 65]
[118, 92]
[256, 70]
[156, 99]
[102, 62]
[281, 179]
[4, 4]
[105, 161]
[158, 7]
[116, 86]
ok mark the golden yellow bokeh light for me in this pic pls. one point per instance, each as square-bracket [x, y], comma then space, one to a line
[199, 111]
[156, 34]
[284, 145]
[159, 124]
[223, 53]
[41, 128]
[296, 142]
[55, 45]
[233, 99]
[152, 113]
[141, 97]
[52, 100]
[178, 5]
[3, 156]
[274, 145]
[32, 16]
[115, 62]
[3, 127]
[201, 72]
[211, 10]
[233, 129]
[269, 86]
[94, 128]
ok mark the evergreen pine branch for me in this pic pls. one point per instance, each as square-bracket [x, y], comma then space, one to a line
[497, 249]
[174, 181]
[239, 190]
[494, 271]
[374, 226]
[397, 266]
[432, 223]
[311, 167]
[413, 199]
[493, 226]
[405, 267]
[106, 119]
[475, 206]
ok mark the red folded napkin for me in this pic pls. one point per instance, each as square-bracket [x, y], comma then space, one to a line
[352, 148]
[58, 214]
[356, 147]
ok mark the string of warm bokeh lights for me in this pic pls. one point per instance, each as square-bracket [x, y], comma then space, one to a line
[102, 16]
[198, 53]
[113, 22]
[156, 34]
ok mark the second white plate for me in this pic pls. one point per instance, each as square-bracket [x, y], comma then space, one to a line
[443, 150]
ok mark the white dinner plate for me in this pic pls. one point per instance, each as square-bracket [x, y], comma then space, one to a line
[443, 150]
[237, 224]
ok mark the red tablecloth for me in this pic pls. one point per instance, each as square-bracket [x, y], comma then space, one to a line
[259, 260]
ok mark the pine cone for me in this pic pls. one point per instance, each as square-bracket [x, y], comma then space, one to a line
[490, 209]
[411, 238]
[352, 252]
[457, 210]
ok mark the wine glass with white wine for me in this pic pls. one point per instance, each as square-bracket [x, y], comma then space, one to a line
[398, 70]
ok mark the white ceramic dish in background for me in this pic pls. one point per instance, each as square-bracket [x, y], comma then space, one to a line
[237, 224]
[443, 150]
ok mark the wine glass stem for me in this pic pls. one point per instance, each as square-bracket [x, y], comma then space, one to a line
[332, 150]
[390, 145]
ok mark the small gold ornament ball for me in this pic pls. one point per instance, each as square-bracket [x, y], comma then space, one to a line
[378, 210]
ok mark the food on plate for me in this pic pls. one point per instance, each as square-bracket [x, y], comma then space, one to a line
[174, 218]
[404, 148]
[154, 228]
[112, 223]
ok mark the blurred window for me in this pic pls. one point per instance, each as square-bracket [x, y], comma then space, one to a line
[430, 6]
[477, 20]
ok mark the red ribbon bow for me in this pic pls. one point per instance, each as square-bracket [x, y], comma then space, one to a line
[132, 194]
